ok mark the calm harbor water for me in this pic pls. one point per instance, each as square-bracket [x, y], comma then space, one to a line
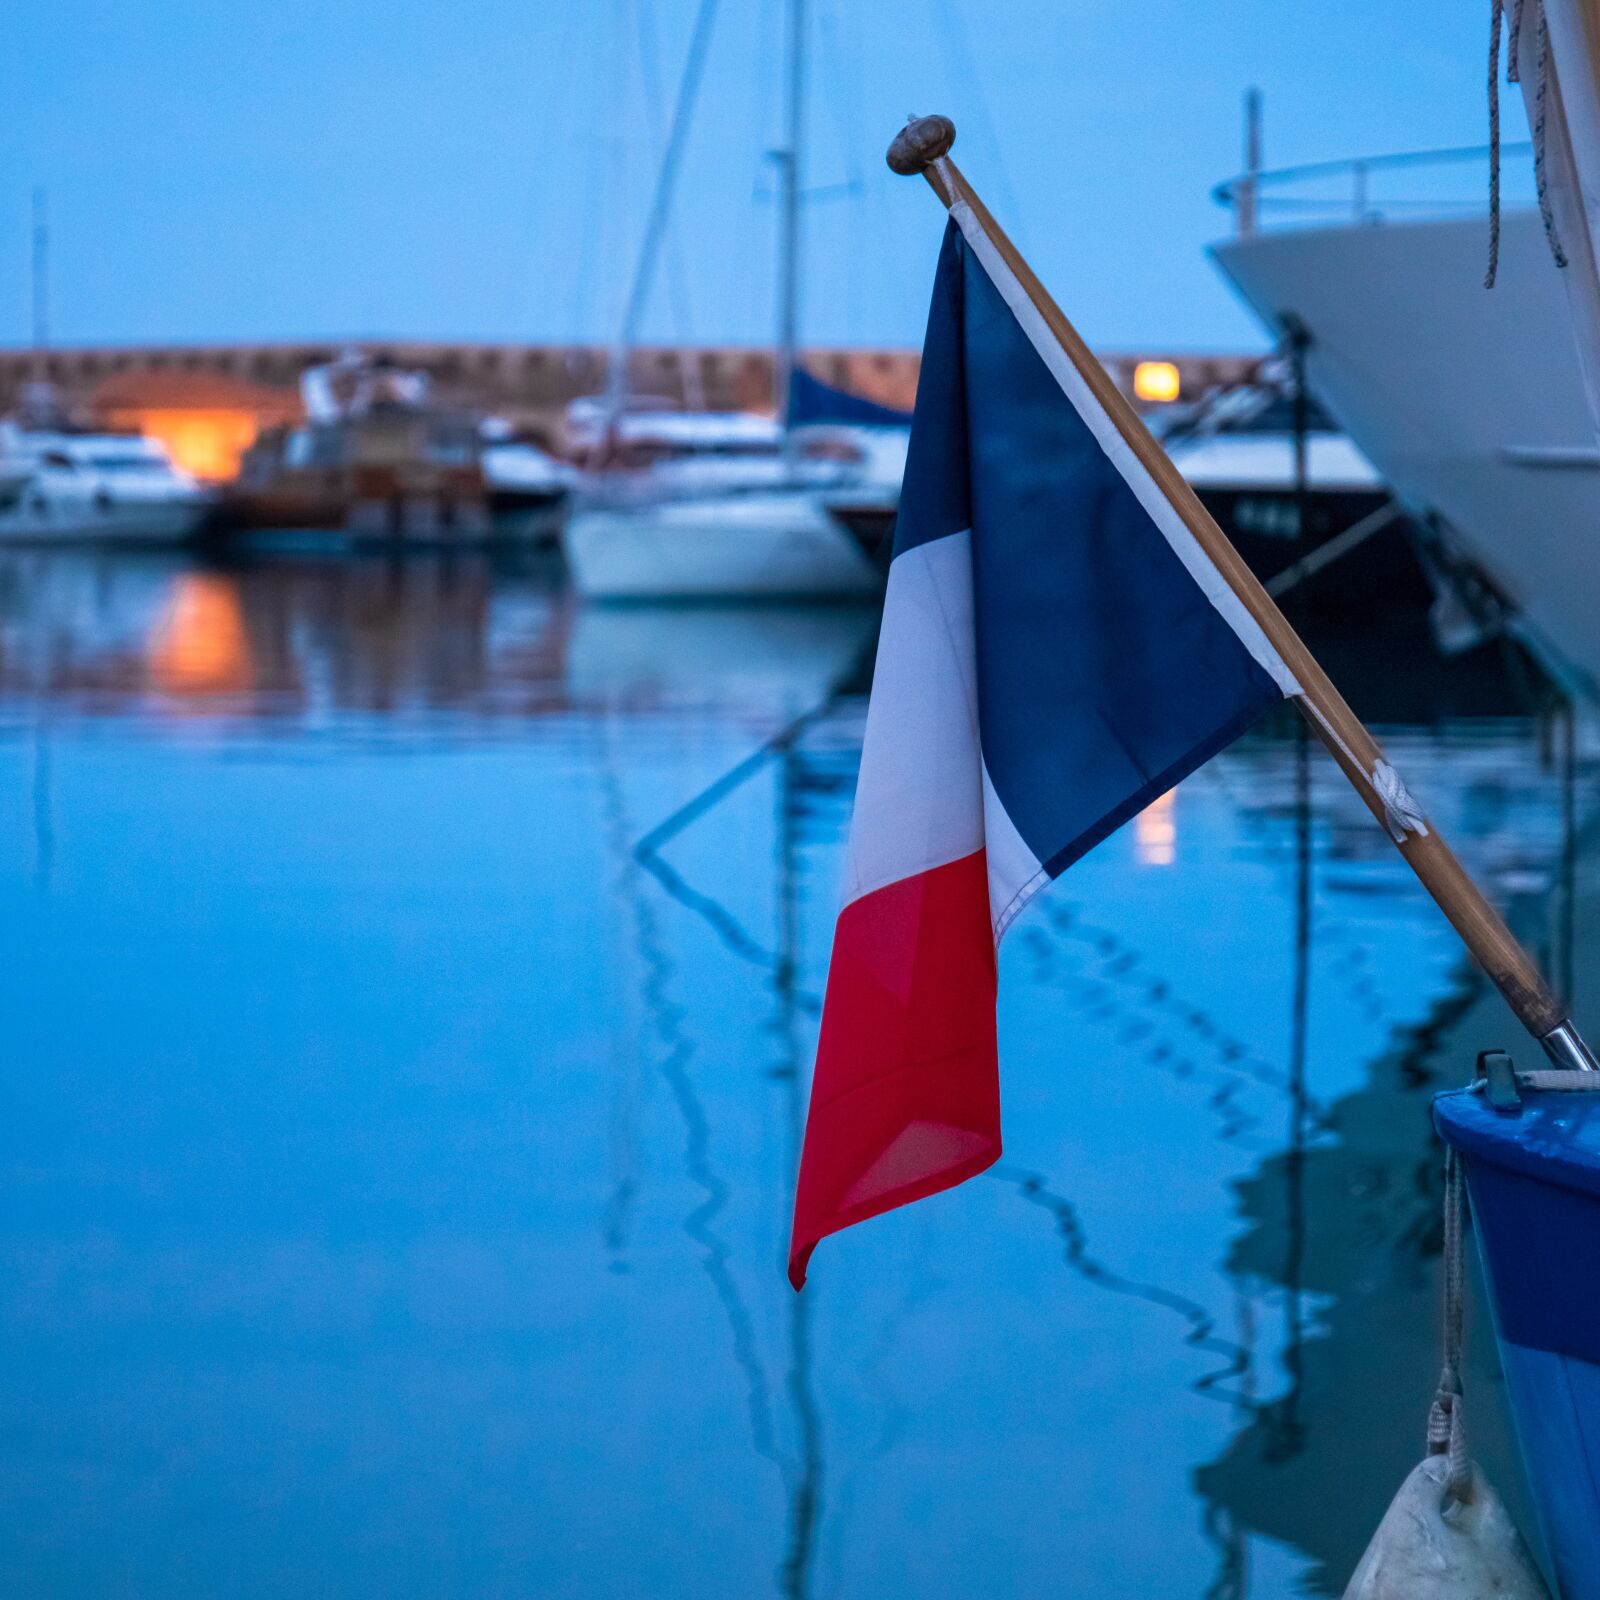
[412, 979]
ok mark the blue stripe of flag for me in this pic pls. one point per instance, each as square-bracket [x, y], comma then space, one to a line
[1105, 674]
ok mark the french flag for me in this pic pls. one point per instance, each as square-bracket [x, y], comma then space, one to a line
[1057, 651]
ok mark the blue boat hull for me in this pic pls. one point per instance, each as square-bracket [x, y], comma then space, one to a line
[1534, 1179]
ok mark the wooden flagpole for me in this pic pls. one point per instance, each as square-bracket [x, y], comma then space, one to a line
[922, 146]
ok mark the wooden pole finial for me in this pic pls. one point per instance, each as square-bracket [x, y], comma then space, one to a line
[920, 143]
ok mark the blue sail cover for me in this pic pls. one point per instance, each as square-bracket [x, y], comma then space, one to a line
[1534, 1178]
[812, 400]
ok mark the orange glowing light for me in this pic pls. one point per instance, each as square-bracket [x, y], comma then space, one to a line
[206, 419]
[201, 645]
[1155, 832]
[208, 444]
[1156, 381]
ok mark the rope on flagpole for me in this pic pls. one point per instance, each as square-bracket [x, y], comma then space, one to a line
[1402, 816]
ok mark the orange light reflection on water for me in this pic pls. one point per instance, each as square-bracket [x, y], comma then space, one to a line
[1155, 832]
[201, 645]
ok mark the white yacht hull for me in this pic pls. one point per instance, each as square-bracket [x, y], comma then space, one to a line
[56, 523]
[1470, 402]
[61, 486]
[749, 546]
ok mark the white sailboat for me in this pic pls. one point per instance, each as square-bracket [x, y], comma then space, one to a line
[805, 518]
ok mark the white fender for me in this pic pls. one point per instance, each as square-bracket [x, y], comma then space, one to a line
[1423, 1551]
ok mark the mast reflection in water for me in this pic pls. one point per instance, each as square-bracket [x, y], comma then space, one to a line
[415, 979]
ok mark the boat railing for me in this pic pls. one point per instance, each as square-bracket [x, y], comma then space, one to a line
[1372, 190]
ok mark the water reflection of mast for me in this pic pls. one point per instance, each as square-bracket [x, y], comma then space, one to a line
[44, 828]
[804, 1475]
[678, 1045]
[1221, 1523]
[799, 779]
[805, 1494]
[1286, 1430]
[1285, 1427]
[627, 1085]
[1565, 932]
[42, 786]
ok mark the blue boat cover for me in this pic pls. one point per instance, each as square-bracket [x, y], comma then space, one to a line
[1555, 1137]
[812, 400]
[1534, 1177]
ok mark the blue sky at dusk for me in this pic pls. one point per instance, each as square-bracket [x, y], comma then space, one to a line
[264, 171]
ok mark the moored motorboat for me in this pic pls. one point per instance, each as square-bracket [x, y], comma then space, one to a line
[378, 460]
[60, 485]
[1470, 404]
[1298, 499]
[528, 490]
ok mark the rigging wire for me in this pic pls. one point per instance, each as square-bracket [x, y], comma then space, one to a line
[839, 61]
[677, 279]
[601, 195]
[661, 203]
[966, 78]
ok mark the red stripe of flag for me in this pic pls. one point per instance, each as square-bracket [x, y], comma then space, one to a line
[906, 1097]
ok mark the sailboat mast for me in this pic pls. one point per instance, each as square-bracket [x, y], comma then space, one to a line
[41, 271]
[655, 229]
[789, 214]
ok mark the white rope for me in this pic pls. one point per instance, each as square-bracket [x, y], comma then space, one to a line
[1561, 1080]
[1546, 213]
[1514, 75]
[1553, 1080]
[1402, 816]
[1401, 813]
[1447, 1434]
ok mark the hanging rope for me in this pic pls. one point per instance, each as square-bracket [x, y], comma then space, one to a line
[1447, 1434]
[1542, 68]
[1514, 75]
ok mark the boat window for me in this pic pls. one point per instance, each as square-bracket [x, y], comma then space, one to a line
[832, 447]
[58, 458]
